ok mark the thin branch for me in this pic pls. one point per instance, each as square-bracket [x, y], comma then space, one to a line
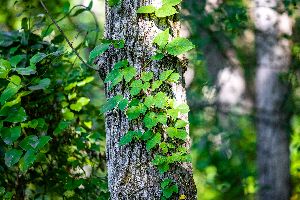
[63, 34]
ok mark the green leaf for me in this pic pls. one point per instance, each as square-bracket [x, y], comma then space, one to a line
[129, 73]
[70, 97]
[172, 2]
[164, 147]
[31, 124]
[121, 64]
[11, 89]
[27, 160]
[27, 70]
[177, 133]
[165, 11]
[173, 113]
[149, 101]
[90, 5]
[42, 124]
[15, 79]
[186, 158]
[43, 140]
[146, 9]
[17, 100]
[162, 38]
[174, 78]
[115, 77]
[10, 135]
[135, 111]
[8, 196]
[147, 76]
[147, 135]
[183, 108]
[165, 75]
[136, 87]
[119, 44]
[153, 142]
[83, 101]
[37, 58]
[114, 2]
[13, 50]
[61, 127]
[180, 124]
[70, 86]
[15, 60]
[162, 118]
[160, 100]
[67, 114]
[146, 86]
[98, 50]
[163, 168]
[168, 192]
[123, 104]
[157, 56]
[16, 115]
[134, 102]
[5, 68]
[66, 7]
[12, 156]
[158, 160]
[127, 138]
[85, 81]
[150, 120]
[111, 103]
[42, 85]
[179, 46]
[2, 191]
[156, 84]
[165, 183]
[29, 142]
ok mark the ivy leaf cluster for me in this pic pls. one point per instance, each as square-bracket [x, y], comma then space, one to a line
[167, 9]
[164, 132]
[168, 188]
[175, 47]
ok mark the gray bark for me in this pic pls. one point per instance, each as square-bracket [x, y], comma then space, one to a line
[130, 172]
[273, 60]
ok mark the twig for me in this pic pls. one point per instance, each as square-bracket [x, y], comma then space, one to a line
[63, 34]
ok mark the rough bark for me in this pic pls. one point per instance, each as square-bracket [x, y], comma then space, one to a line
[273, 60]
[130, 172]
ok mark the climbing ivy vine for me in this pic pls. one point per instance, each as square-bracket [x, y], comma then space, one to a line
[164, 132]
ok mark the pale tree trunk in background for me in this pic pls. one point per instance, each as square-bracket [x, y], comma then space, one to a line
[130, 172]
[222, 64]
[273, 60]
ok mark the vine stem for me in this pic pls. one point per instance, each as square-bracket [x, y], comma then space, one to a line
[64, 35]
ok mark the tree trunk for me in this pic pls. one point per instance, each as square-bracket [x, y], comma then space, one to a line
[273, 60]
[131, 174]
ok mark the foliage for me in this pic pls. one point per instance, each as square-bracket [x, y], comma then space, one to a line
[167, 9]
[50, 145]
